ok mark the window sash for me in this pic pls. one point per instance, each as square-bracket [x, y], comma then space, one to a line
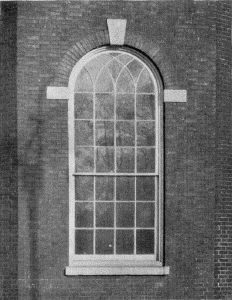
[72, 173]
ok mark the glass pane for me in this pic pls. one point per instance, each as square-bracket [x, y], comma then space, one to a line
[145, 83]
[125, 83]
[124, 58]
[145, 107]
[146, 133]
[105, 159]
[104, 188]
[83, 106]
[93, 67]
[145, 188]
[145, 241]
[104, 58]
[135, 68]
[124, 241]
[84, 159]
[145, 214]
[104, 106]
[104, 82]
[83, 82]
[114, 67]
[84, 214]
[104, 241]
[113, 54]
[84, 242]
[125, 160]
[104, 133]
[125, 214]
[125, 133]
[125, 188]
[125, 107]
[84, 188]
[146, 160]
[104, 214]
[84, 133]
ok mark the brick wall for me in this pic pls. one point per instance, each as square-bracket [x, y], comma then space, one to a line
[223, 220]
[184, 33]
[8, 153]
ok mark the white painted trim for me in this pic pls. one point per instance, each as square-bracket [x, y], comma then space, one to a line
[71, 135]
[175, 96]
[115, 174]
[115, 260]
[57, 92]
[117, 31]
[112, 270]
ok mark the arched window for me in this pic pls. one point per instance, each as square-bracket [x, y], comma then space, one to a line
[115, 165]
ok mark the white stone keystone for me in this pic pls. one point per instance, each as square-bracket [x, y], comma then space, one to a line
[117, 30]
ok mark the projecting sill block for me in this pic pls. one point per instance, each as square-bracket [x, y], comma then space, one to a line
[72, 271]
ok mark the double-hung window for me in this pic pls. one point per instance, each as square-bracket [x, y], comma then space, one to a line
[115, 165]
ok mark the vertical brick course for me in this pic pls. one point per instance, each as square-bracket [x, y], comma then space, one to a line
[223, 220]
[8, 153]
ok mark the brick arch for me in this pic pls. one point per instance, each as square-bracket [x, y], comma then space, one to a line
[157, 55]
[101, 38]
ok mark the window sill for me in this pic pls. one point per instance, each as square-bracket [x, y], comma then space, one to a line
[116, 270]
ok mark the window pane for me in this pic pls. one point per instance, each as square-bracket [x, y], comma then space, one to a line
[114, 67]
[104, 214]
[84, 188]
[145, 83]
[135, 68]
[93, 67]
[125, 133]
[83, 241]
[83, 106]
[125, 83]
[125, 188]
[84, 133]
[125, 214]
[104, 58]
[145, 214]
[104, 188]
[105, 159]
[104, 106]
[146, 133]
[104, 82]
[145, 188]
[104, 241]
[145, 107]
[83, 82]
[84, 214]
[125, 107]
[104, 133]
[124, 241]
[124, 58]
[125, 160]
[145, 241]
[113, 54]
[84, 159]
[146, 160]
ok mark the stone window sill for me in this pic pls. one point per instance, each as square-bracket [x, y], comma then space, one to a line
[116, 270]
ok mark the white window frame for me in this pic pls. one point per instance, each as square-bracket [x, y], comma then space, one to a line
[116, 264]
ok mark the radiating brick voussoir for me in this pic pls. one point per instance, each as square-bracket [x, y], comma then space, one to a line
[157, 55]
[77, 51]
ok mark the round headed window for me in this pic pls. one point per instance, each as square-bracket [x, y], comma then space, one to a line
[115, 169]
